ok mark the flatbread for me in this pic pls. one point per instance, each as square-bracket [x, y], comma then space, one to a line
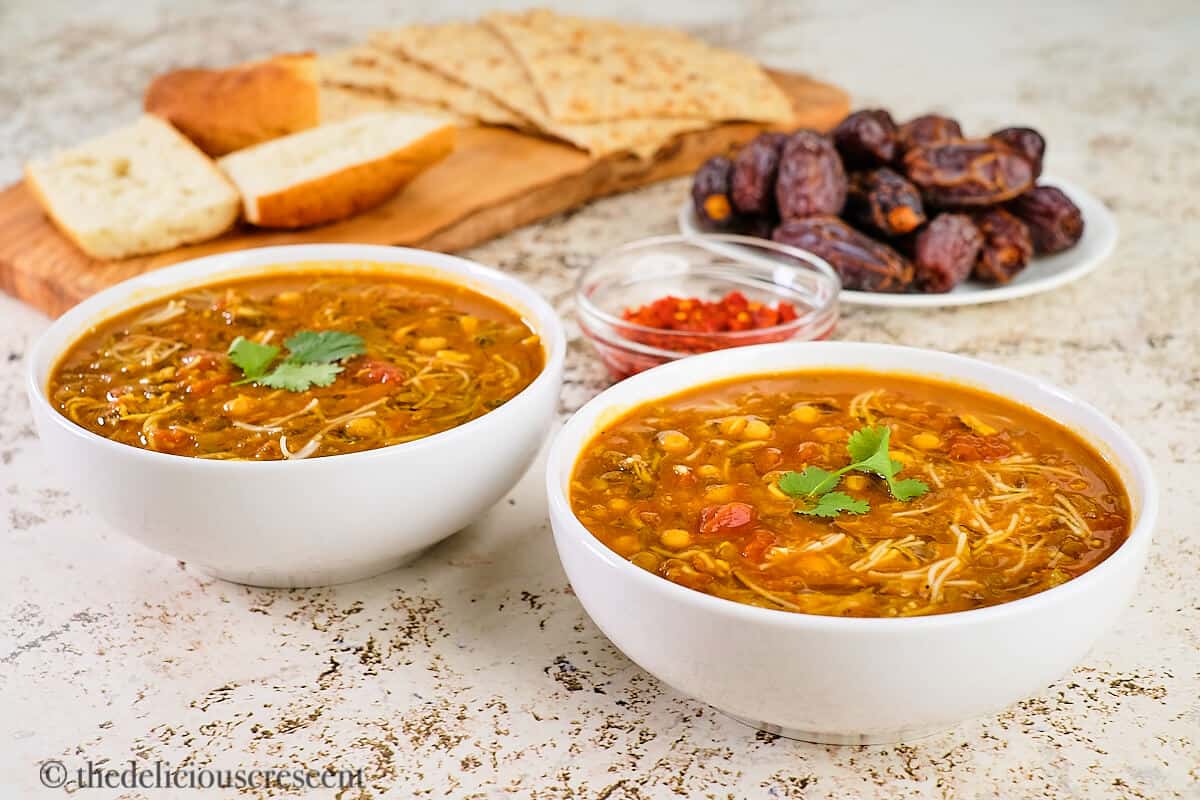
[476, 55]
[341, 102]
[371, 69]
[473, 54]
[587, 70]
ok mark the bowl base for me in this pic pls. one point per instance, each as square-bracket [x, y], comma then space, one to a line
[307, 579]
[852, 739]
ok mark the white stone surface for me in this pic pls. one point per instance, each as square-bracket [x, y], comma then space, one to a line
[474, 672]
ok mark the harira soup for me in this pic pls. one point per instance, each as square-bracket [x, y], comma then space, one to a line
[296, 364]
[844, 493]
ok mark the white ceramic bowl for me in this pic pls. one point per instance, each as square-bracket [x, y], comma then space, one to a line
[317, 521]
[838, 680]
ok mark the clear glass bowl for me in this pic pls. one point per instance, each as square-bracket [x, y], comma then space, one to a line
[707, 267]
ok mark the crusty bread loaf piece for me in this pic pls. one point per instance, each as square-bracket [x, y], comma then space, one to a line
[141, 189]
[336, 170]
[223, 110]
[340, 103]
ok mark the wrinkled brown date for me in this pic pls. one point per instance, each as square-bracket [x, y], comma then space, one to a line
[711, 189]
[944, 252]
[1054, 222]
[969, 173]
[884, 201]
[861, 262]
[760, 227]
[811, 178]
[754, 172]
[866, 139]
[927, 129]
[1025, 141]
[1007, 246]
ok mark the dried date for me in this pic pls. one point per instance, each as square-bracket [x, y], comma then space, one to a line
[760, 227]
[862, 263]
[1007, 246]
[811, 178]
[866, 139]
[884, 201]
[1025, 141]
[746, 225]
[711, 189]
[945, 251]
[927, 129]
[1054, 222]
[754, 172]
[968, 173]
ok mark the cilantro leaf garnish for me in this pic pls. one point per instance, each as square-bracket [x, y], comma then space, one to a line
[907, 489]
[868, 447]
[298, 377]
[310, 360]
[252, 358]
[831, 504]
[323, 347]
[813, 481]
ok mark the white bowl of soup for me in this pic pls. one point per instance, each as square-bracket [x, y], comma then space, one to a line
[298, 416]
[849, 543]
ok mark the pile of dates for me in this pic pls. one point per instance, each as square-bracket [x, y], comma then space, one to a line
[916, 207]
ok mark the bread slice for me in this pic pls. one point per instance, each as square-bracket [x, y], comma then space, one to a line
[336, 170]
[223, 110]
[141, 189]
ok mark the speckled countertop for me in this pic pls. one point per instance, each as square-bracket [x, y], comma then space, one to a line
[475, 672]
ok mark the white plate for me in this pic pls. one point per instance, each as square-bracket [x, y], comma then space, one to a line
[1042, 274]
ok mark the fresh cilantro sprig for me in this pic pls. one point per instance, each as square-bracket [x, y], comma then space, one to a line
[868, 447]
[311, 359]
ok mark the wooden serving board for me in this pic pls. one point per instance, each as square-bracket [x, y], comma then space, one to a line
[496, 180]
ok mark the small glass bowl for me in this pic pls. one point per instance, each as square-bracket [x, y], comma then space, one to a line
[707, 267]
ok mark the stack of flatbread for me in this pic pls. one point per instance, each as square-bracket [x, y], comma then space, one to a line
[602, 86]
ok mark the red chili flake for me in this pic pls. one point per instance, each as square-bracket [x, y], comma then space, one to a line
[697, 326]
[733, 312]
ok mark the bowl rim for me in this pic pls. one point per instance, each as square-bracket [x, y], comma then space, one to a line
[1137, 467]
[260, 260]
[588, 311]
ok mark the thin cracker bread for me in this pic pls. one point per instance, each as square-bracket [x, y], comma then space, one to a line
[371, 69]
[476, 55]
[587, 70]
[472, 54]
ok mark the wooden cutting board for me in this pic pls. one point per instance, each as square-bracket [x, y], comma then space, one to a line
[496, 180]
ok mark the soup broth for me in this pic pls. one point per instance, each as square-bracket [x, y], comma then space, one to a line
[850, 494]
[296, 365]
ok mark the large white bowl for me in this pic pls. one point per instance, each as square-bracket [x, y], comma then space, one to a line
[839, 680]
[316, 521]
